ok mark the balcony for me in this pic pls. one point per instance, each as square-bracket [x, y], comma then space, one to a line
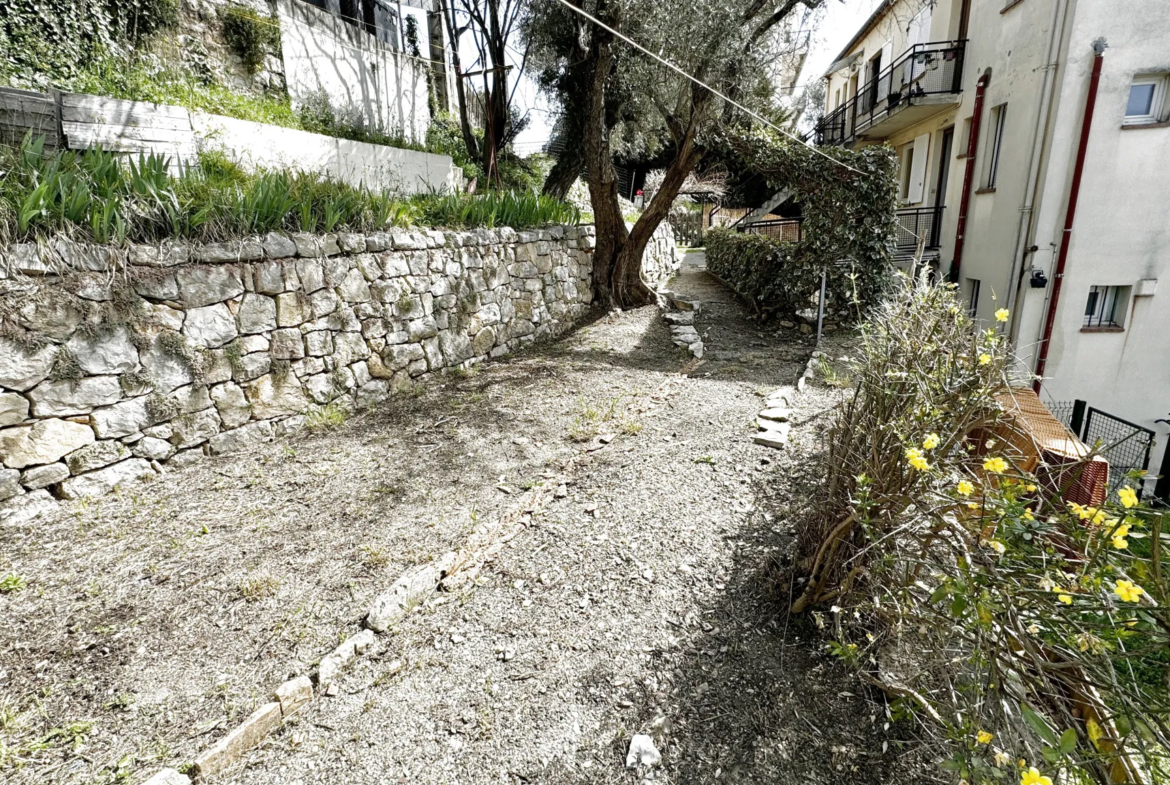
[925, 78]
[923, 224]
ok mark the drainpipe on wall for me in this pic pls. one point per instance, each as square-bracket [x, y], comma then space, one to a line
[1025, 229]
[968, 174]
[1070, 213]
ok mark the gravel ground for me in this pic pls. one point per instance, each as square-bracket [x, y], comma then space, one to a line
[153, 621]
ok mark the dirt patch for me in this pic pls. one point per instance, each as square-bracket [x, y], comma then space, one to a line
[153, 621]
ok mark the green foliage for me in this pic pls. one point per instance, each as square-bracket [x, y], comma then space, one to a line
[848, 228]
[250, 36]
[1015, 623]
[323, 418]
[445, 138]
[59, 38]
[102, 197]
[12, 583]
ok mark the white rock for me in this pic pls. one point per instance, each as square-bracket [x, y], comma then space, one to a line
[101, 482]
[153, 449]
[257, 314]
[13, 409]
[9, 484]
[270, 398]
[23, 508]
[43, 442]
[192, 429]
[43, 476]
[121, 419]
[210, 326]
[110, 351]
[61, 399]
[95, 456]
[240, 439]
[642, 752]
[21, 367]
[232, 405]
[202, 286]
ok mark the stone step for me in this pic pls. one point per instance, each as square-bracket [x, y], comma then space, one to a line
[777, 413]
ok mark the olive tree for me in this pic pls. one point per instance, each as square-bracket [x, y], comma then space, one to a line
[617, 99]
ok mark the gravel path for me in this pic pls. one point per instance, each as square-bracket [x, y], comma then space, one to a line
[153, 621]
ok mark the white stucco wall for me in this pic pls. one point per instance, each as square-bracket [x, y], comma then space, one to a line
[1122, 229]
[376, 166]
[359, 75]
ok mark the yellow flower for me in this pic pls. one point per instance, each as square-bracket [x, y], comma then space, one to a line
[1001, 315]
[965, 488]
[972, 505]
[1031, 487]
[984, 358]
[997, 465]
[1002, 758]
[996, 546]
[1128, 591]
[1033, 628]
[931, 441]
[1094, 730]
[914, 457]
[1033, 777]
[1028, 514]
[983, 737]
[1128, 497]
[1065, 598]
[1119, 535]
[1120, 543]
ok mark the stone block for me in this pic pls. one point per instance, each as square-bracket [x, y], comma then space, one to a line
[311, 274]
[121, 419]
[351, 243]
[167, 254]
[166, 371]
[66, 398]
[257, 314]
[202, 286]
[293, 309]
[45, 441]
[293, 694]
[241, 439]
[278, 246]
[324, 302]
[210, 326]
[102, 481]
[393, 604]
[24, 507]
[192, 429]
[10, 484]
[108, 351]
[270, 398]
[354, 287]
[152, 449]
[268, 277]
[95, 456]
[246, 736]
[287, 344]
[156, 284]
[13, 409]
[44, 476]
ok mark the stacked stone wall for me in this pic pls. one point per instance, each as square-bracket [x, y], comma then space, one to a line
[116, 362]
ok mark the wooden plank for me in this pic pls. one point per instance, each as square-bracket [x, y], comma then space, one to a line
[22, 111]
[115, 111]
[87, 134]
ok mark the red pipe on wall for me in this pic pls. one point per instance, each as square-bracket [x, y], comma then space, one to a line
[968, 174]
[1070, 212]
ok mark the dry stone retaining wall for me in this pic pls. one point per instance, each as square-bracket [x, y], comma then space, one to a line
[116, 362]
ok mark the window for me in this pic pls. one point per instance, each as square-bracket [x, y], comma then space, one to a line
[1147, 96]
[994, 142]
[1106, 306]
[905, 165]
[973, 300]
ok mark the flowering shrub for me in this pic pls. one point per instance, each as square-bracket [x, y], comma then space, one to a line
[1027, 633]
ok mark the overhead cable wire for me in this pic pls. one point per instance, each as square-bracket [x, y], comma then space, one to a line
[703, 84]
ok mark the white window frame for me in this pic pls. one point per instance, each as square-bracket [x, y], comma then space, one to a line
[994, 145]
[1157, 101]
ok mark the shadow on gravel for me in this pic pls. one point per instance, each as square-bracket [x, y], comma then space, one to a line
[756, 698]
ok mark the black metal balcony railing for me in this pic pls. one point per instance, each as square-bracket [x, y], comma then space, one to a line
[784, 229]
[924, 222]
[925, 69]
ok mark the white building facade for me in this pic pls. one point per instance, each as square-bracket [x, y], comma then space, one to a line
[926, 75]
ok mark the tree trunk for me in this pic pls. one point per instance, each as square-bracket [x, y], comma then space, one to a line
[460, 88]
[566, 170]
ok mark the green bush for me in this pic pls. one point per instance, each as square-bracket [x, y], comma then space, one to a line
[781, 278]
[105, 198]
[250, 36]
[1012, 623]
[444, 137]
